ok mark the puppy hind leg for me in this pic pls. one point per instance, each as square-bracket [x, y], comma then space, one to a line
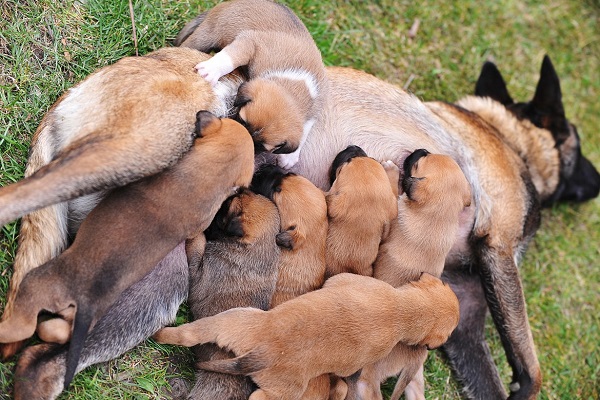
[414, 390]
[467, 349]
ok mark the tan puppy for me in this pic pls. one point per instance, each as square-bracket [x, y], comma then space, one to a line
[361, 204]
[317, 333]
[283, 97]
[303, 214]
[130, 231]
[126, 121]
[435, 191]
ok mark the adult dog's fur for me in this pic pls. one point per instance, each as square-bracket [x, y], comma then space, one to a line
[434, 193]
[238, 269]
[317, 333]
[286, 86]
[126, 121]
[140, 311]
[521, 154]
[303, 232]
[361, 204]
[131, 230]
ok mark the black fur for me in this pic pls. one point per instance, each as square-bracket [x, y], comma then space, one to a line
[267, 180]
[225, 224]
[409, 162]
[203, 119]
[343, 157]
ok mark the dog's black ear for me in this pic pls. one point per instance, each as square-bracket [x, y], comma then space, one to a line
[548, 96]
[491, 84]
[343, 157]
[285, 240]
[268, 179]
[242, 97]
[203, 119]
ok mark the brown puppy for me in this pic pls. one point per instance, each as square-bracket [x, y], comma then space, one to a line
[238, 269]
[283, 97]
[131, 230]
[361, 204]
[126, 121]
[434, 193]
[317, 333]
[303, 214]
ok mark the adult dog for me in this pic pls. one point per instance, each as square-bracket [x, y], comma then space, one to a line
[531, 148]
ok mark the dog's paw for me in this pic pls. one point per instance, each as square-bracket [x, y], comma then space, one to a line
[214, 68]
[389, 165]
[287, 161]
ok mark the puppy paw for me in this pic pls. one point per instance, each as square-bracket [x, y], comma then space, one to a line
[287, 161]
[214, 68]
[390, 166]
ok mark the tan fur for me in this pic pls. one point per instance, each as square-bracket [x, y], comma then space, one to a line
[316, 333]
[303, 214]
[125, 121]
[419, 241]
[128, 230]
[361, 204]
[286, 74]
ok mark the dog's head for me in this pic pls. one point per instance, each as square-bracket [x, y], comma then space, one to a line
[434, 179]
[578, 178]
[441, 311]
[243, 217]
[301, 205]
[271, 116]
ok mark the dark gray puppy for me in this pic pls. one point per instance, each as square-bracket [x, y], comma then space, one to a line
[141, 310]
[238, 269]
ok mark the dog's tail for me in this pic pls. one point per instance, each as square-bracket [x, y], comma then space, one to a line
[243, 365]
[188, 29]
[81, 325]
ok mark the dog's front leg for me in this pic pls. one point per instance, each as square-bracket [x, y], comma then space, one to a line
[505, 298]
[467, 349]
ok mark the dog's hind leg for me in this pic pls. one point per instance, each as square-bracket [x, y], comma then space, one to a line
[467, 349]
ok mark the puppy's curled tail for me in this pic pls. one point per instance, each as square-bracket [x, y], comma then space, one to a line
[81, 326]
[243, 365]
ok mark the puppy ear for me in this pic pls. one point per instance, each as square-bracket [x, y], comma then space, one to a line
[285, 240]
[491, 84]
[243, 97]
[203, 120]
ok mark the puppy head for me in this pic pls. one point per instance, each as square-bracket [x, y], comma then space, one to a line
[271, 115]
[433, 179]
[301, 205]
[343, 157]
[243, 217]
[441, 310]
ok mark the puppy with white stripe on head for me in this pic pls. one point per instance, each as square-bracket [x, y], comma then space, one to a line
[280, 102]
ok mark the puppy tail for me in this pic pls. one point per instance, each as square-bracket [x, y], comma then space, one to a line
[243, 365]
[81, 326]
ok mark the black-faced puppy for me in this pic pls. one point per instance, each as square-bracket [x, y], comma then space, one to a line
[434, 193]
[125, 121]
[131, 230]
[314, 334]
[283, 96]
[141, 310]
[361, 205]
[238, 269]
[303, 213]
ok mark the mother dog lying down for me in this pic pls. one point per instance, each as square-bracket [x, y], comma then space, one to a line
[482, 135]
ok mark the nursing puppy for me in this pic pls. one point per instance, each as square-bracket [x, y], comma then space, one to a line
[284, 94]
[361, 204]
[130, 231]
[141, 310]
[303, 213]
[316, 333]
[126, 121]
[238, 269]
[434, 193]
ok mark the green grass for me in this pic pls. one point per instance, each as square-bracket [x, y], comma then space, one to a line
[47, 46]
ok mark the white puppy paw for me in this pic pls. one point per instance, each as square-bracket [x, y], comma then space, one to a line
[389, 165]
[287, 161]
[213, 69]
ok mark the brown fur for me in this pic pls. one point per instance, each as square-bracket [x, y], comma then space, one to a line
[419, 241]
[238, 269]
[271, 41]
[316, 333]
[361, 205]
[126, 121]
[132, 229]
